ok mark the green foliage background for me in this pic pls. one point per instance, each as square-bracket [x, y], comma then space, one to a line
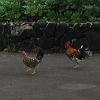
[50, 10]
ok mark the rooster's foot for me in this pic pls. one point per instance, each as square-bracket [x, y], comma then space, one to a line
[76, 66]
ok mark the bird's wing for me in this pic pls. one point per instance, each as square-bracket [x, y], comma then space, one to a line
[31, 62]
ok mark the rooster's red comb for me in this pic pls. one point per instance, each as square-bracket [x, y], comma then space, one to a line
[68, 44]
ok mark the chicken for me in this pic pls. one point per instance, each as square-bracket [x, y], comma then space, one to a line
[30, 62]
[72, 53]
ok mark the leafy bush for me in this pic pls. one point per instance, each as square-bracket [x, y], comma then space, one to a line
[10, 10]
[50, 10]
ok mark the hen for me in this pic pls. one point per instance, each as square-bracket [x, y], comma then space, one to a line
[30, 62]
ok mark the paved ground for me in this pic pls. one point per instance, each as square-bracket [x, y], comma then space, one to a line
[55, 80]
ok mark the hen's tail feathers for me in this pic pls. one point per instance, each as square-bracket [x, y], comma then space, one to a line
[40, 54]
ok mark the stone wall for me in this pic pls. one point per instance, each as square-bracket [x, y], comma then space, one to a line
[48, 35]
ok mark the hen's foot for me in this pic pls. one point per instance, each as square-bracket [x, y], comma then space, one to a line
[33, 73]
[28, 69]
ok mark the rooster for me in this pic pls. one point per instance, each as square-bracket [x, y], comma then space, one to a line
[72, 53]
[30, 62]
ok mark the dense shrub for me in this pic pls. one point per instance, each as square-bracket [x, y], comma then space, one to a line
[10, 10]
[50, 10]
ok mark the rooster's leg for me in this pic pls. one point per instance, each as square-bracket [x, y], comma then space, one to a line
[76, 66]
[76, 61]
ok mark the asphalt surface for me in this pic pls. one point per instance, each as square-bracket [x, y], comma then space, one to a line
[55, 79]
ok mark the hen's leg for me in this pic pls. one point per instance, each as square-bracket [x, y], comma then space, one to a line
[34, 71]
[29, 69]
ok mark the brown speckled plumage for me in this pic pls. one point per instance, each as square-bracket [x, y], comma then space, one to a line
[30, 61]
